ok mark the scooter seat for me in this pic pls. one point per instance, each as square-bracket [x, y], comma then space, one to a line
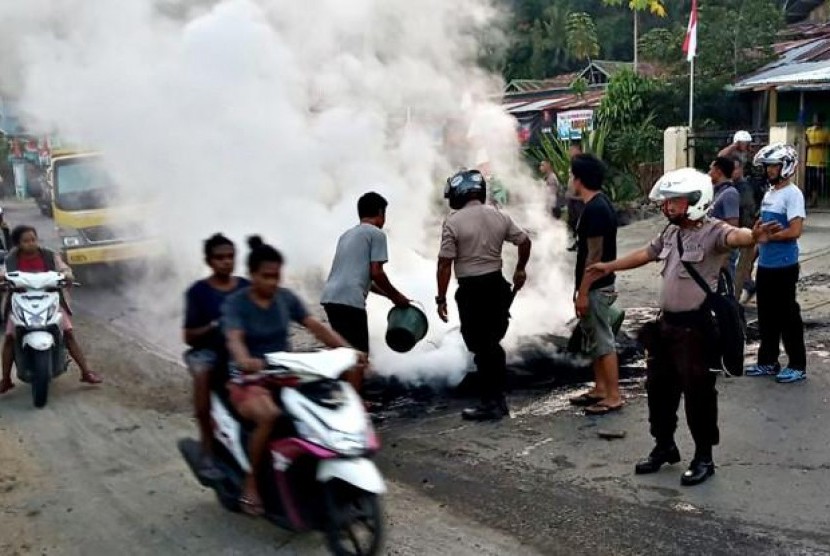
[328, 364]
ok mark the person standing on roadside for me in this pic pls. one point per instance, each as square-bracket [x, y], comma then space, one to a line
[207, 358]
[471, 241]
[557, 195]
[818, 139]
[739, 147]
[356, 270]
[779, 315]
[726, 205]
[677, 345]
[597, 242]
[575, 204]
[748, 214]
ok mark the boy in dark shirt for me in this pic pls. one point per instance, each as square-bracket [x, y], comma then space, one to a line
[596, 242]
[207, 358]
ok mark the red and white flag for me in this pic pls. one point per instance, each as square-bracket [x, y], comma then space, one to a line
[690, 44]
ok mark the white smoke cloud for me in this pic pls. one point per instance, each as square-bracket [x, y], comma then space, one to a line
[273, 117]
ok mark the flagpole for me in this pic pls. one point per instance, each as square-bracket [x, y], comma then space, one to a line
[690, 49]
[691, 92]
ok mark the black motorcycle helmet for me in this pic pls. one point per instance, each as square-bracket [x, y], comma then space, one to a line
[465, 186]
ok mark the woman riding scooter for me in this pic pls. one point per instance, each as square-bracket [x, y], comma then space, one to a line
[28, 256]
[256, 321]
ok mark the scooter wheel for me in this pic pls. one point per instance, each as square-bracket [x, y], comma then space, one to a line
[354, 520]
[41, 376]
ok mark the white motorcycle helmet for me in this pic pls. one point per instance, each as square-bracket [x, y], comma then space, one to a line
[778, 153]
[685, 183]
[742, 137]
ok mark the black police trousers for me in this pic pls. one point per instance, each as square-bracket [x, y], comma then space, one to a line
[483, 307]
[677, 364]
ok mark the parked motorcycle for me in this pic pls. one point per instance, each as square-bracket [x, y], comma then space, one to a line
[39, 349]
[318, 474]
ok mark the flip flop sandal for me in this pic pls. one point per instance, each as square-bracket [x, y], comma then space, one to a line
[602, 409]
[91, 378]
[250, 506]
[585, 400]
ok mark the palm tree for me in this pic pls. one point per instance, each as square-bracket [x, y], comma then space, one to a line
[636, 6]
[582, 36]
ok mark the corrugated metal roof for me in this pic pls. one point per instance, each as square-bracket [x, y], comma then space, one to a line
[563, 81]
[536, 106]
[805, 62]
[559, 103]
[511, 105]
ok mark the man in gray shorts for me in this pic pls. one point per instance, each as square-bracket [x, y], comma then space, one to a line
[596, 242]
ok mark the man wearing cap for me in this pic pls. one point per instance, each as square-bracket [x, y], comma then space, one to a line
[739, 147]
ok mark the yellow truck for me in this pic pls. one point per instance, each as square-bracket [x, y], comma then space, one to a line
[97, 223]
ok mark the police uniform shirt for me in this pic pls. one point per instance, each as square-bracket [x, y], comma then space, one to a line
[473, 238]
[705, 248]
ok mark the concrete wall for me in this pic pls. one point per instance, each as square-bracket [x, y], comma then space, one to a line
[675, 147]
[792, 134]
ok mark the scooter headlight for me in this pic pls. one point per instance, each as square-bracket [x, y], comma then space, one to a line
[38, 319]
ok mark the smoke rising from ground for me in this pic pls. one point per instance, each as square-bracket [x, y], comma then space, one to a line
[273, 117]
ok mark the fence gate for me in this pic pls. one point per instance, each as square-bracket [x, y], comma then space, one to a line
[703, 146]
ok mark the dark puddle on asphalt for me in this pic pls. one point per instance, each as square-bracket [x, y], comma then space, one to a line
[541, 373]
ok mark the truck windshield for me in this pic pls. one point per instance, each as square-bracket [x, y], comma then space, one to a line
[82, 184]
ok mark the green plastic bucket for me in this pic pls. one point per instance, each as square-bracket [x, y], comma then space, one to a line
[406, 326]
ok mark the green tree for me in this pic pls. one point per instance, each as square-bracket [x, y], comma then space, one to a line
[626, 100]
[735, 37]
[656, 7]
[579, 87]
[539, 47]
[663, 46]
[582, 36]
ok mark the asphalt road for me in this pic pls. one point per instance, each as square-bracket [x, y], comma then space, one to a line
[97, 472]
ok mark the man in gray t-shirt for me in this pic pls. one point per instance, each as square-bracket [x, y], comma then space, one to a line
[356, 270]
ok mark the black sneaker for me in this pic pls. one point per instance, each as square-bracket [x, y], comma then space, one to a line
[656, 459]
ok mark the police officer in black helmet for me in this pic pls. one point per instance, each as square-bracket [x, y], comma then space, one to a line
[471, 241]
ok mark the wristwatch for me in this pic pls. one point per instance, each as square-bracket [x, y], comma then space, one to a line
[440, 300]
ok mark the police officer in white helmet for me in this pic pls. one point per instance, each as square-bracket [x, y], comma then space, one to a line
[678, 346]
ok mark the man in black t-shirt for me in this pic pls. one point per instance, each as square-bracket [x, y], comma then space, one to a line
[596, 242]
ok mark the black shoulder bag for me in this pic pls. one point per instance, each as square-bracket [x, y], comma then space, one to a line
[727, 317]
